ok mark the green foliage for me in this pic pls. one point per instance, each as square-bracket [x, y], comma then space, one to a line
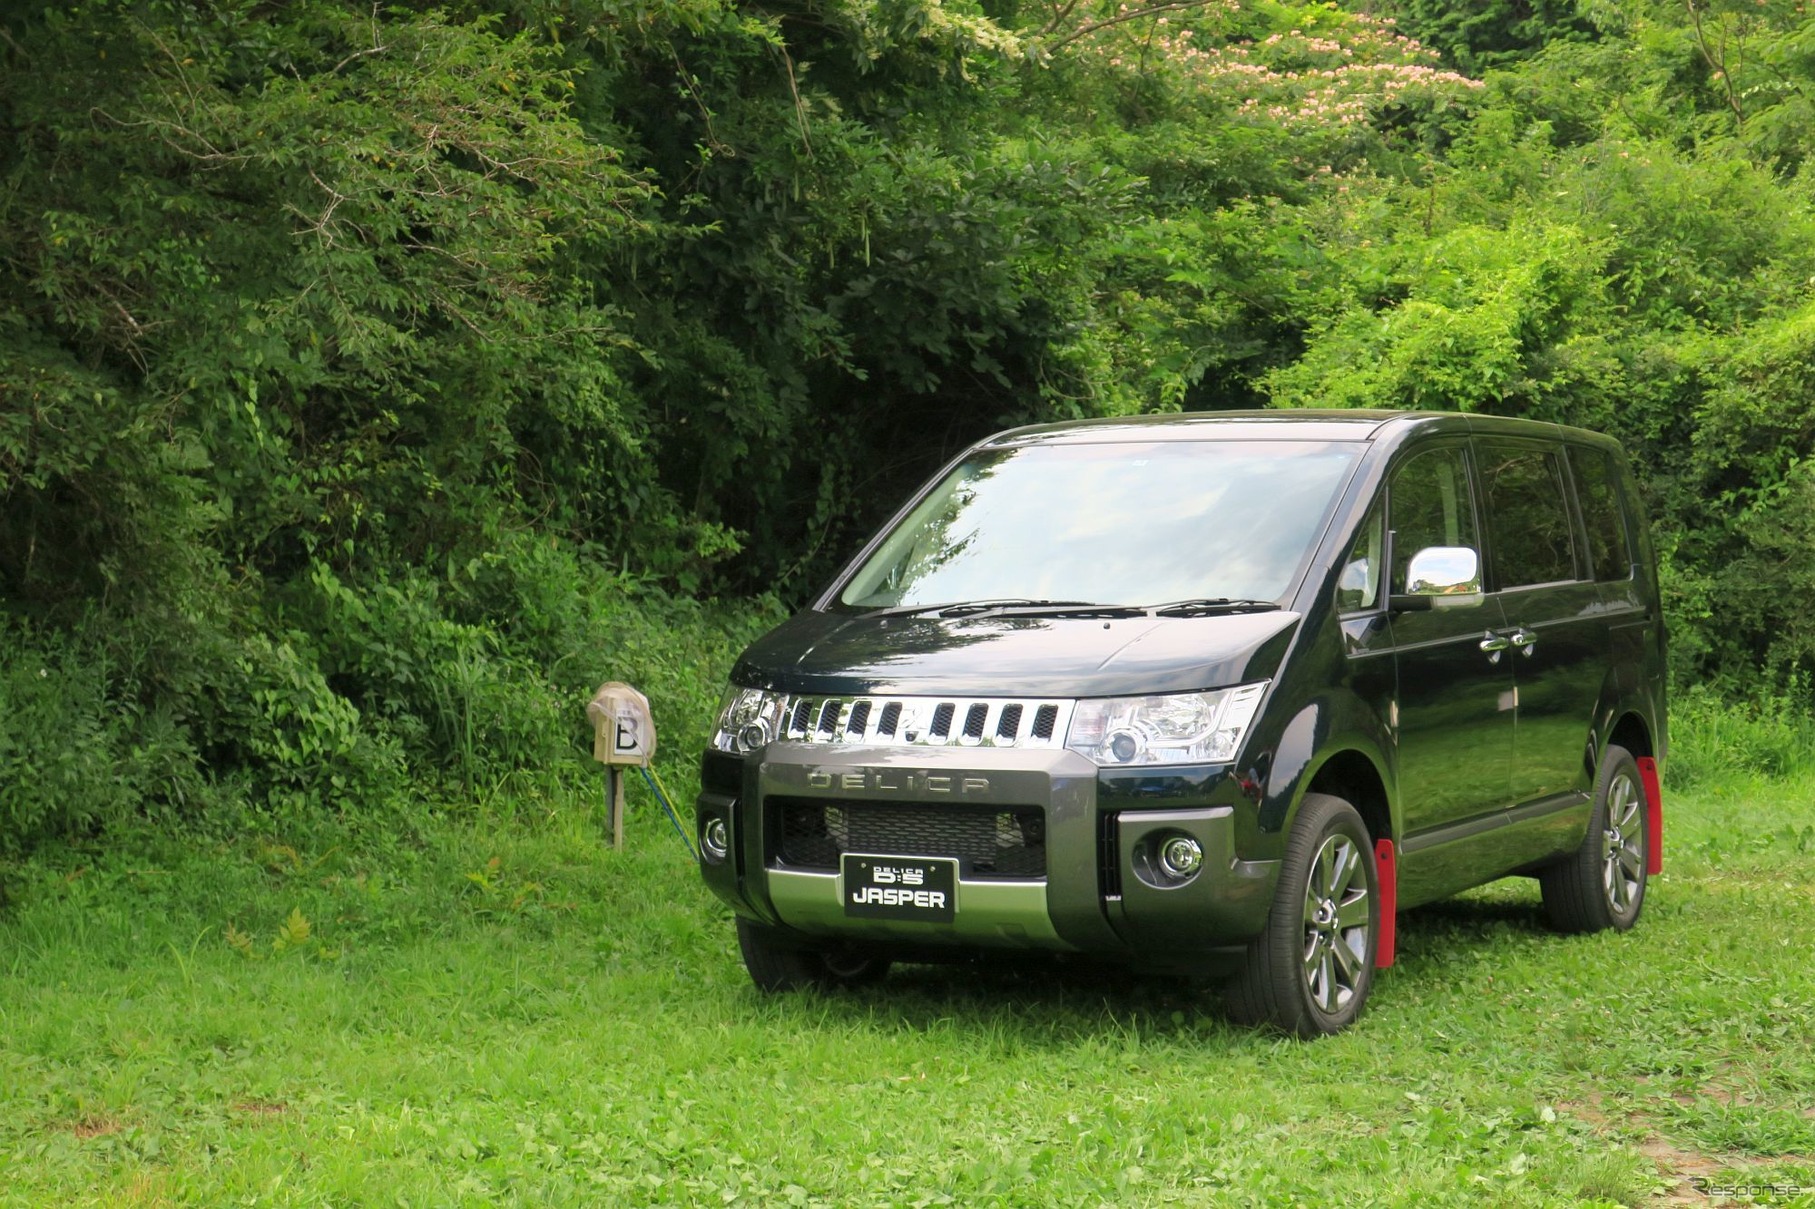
[1482, 320]
[297, 308]
[80, 749]
[1610, 249]
[1720, 732]
[1479, 35]
[375, 381]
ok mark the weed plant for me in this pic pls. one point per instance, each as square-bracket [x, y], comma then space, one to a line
[1718, 734]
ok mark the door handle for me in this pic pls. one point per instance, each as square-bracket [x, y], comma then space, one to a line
[1526, 640]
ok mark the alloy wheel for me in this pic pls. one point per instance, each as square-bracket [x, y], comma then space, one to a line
[1336, 924]
[1623, 845]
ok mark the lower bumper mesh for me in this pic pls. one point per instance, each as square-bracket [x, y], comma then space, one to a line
[988, 842]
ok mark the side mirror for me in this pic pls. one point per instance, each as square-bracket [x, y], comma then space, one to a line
[1442, 577]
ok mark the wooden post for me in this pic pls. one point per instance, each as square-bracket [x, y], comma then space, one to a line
[623, 734]
[617, 807]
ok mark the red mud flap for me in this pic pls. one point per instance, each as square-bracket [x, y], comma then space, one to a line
[1386, 869]
[1654, 815]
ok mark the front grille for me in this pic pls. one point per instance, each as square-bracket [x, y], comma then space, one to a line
[812, 833]
[926, 721]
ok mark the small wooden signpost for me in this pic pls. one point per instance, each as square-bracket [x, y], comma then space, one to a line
[623, 735]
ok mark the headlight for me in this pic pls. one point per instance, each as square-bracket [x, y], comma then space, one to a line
[748, 718]
[1185, 728]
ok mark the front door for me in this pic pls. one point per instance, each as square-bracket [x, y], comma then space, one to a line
[1455, 706]
[1557, 623]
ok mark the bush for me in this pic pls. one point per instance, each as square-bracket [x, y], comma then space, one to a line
[1715, 734]
[371, 692]
[280, 719]
[78, 751]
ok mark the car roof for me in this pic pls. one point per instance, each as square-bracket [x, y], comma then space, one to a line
[1286, 424]
[1296, 424]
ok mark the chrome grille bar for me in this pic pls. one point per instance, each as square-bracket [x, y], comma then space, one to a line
[887, 721]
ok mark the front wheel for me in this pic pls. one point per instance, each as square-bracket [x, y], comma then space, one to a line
[1309, 971]
[1602, 884]
[776, 965]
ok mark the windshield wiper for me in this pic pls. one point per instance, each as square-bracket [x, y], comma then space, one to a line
[1209, 606]
[959, 608]
[1046, 608]
[968, 608]
[1014, 606]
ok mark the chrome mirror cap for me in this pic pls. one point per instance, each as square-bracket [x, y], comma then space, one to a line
[1441, 577]
[1443, 571]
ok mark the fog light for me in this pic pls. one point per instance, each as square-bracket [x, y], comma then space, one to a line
[715, 839]
[1180, 857]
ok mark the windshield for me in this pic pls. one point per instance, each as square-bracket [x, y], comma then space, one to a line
[1114, 523]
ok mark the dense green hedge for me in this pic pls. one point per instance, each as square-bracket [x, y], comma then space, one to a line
[374, 380]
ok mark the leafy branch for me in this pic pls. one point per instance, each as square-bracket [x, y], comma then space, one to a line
[1135, 14]
[1716, 60]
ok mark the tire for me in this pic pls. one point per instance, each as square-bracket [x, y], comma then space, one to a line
[776, 965]
[1309, 971]
[1602, 884]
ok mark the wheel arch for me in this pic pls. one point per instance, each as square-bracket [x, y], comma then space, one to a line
[1629, 730]
[1350, 774]
[1627, 714]
[1333, 745]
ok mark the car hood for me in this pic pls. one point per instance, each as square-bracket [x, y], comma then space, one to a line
[983, 656]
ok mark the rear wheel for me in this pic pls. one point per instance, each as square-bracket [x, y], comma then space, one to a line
[1309, 972]
[1602, 884]
[777, 965]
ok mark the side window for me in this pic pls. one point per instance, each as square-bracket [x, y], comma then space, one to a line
[1429, 505]
[1603, 516]
[1358, 587]
[1527, 515]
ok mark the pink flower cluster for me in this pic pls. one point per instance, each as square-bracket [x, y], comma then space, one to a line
[1336, 76]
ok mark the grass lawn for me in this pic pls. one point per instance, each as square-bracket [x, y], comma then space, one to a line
[474, 1015]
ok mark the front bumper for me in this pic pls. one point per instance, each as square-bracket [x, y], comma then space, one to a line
[1099, 891]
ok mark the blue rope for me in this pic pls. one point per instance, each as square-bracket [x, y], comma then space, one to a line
[668, 809]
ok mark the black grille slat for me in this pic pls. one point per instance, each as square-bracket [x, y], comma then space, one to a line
[803, 709]
[891, 718]
[1009, 725]
[974, 719]
[860, 718]
[1045, 718]
[828, 717]
[988, 842]
[942, 718]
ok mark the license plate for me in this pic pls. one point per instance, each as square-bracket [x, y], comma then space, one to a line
[901, 887]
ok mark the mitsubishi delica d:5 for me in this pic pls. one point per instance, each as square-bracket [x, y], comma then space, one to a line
[1211, 693]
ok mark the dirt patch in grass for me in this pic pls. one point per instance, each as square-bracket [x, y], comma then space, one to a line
[1588, 1110]
[260, 1108]
[1680, 1167]
[1718, 1095]
[145, 1188]
[94, 1126]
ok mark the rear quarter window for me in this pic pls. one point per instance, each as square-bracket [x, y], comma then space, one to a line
[1527, 500]
[1597, 478]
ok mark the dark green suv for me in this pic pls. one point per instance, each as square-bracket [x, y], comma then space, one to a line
[1212, 693]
